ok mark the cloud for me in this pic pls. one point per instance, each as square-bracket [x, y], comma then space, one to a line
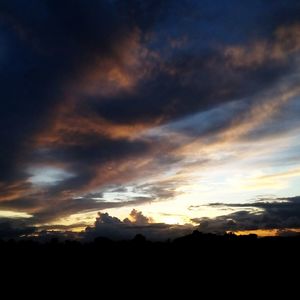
[15, 228]
[285, 44]
[64, 49]
[138, 218]
[274, 180]
[113, 228]
[45, 209]
[265, 214]
[83, 86]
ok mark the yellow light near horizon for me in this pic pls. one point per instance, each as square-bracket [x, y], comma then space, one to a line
[264, 232]
[14, 214]
[172, 220]
[258, 232]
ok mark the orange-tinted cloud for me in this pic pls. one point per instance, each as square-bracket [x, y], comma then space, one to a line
[286, 42]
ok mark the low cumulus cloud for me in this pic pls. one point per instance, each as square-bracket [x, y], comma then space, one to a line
[275, 213]
[113, 228]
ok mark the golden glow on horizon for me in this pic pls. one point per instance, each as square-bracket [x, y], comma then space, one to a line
[266, 232]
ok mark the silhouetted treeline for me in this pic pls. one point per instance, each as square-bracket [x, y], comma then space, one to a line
[208, 254]
[195, 242]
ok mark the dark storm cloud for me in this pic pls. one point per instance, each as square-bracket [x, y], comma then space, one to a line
[274, 213]
[10, 229]
[200, 84]
[87, 155]
[92, 149]
[188, 80]
[47, 43]
[24, 204]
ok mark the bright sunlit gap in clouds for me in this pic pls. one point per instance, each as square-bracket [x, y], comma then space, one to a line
[14, 215]
[48, 175]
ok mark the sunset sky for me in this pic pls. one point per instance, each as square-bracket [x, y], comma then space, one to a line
[127, 116]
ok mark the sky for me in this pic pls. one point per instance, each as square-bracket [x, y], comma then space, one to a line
[120, 117]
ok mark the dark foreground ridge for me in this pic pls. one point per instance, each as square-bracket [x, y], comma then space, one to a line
[188, 248]
[197, 256]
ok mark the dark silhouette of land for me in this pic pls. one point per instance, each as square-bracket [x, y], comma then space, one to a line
[139, 262]
[189, 247]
